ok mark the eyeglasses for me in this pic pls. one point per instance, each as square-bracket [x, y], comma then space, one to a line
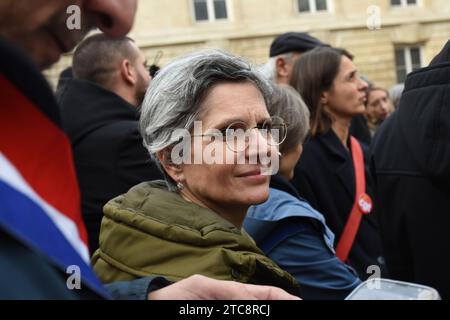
[237, 134]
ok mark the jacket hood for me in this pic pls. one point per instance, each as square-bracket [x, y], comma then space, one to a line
[424, 117]
[153, 202]
[443, 56]
[261, 220]
[150, 230]
[85, 107]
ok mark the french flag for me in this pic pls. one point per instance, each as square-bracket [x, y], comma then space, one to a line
[39, 196]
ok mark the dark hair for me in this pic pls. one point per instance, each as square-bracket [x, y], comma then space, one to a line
[313, 74]
[97, 56]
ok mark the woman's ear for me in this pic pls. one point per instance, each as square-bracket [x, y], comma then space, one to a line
[174, 171]
[324, 98]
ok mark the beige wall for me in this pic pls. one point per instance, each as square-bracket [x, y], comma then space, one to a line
[168, 25]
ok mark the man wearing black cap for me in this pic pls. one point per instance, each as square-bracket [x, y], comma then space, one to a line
[284, 51]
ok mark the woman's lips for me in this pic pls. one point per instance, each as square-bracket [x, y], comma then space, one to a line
[254, 176]
[250, 174]
[383, 116]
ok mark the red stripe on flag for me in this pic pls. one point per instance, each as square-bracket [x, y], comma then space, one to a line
[40, 151]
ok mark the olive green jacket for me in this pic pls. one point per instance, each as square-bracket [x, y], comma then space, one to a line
[152, 231]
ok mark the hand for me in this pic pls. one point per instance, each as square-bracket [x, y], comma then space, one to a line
[202, 288]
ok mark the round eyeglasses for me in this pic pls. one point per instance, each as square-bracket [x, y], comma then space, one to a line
[238, 137]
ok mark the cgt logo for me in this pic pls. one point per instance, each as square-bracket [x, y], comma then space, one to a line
[365, 204]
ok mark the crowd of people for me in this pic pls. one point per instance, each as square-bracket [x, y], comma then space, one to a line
[212, 178]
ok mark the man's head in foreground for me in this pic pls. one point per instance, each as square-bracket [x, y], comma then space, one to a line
[40, 27]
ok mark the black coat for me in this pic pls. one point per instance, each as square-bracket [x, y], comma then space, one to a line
[360, 130]
[411, 160]
[325, 177]
[108, 150]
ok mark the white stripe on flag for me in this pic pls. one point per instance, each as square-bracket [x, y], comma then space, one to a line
[10, 175]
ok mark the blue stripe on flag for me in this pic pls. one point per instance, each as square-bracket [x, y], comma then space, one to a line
[26, 220]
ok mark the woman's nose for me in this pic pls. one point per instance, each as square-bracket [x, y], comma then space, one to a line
[384, 106]
[363, 85]
[113, 17]
[259, 144]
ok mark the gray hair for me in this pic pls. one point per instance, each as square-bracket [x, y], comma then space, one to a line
[173, 100]
[395, 94]
[269, 70]
[289, 105]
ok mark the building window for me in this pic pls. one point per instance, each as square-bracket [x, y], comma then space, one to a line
[407, 60]
[313, 6]
[210, 10]
[403, 3]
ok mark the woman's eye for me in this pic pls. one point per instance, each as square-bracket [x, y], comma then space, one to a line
[237, 127]
[227, 132]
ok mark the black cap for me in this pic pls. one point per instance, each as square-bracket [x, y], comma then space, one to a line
[294, 42]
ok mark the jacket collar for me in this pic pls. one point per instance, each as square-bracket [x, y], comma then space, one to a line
[86, 107]
[153, 200]
[279, 183]
[149, 218]
[333, 145]
[342, 157]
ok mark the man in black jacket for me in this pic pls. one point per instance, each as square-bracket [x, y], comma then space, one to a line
[411, 161]
[99, 110]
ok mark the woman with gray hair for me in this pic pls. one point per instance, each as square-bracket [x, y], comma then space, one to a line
[205, 122]
[286, 227]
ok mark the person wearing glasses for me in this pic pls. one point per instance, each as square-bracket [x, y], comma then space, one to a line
[286, 227]
[205, 122]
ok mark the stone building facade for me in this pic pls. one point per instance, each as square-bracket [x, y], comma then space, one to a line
[389, 38]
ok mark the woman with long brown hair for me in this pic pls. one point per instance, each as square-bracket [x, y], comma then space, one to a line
[331, 172]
